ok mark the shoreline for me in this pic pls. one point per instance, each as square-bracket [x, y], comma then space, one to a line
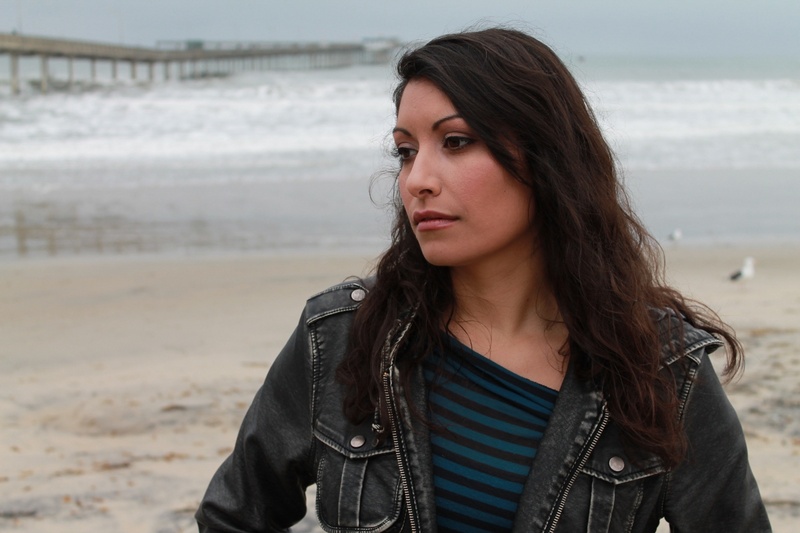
[125, 378]
[349, 211]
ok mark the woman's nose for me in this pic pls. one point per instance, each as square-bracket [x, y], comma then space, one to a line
[423, 176]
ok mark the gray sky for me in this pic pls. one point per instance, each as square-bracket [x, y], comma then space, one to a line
[589, 27]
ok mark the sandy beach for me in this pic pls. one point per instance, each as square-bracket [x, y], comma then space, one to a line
[123, 379]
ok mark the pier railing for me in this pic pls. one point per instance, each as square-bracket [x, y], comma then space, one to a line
[193, 58]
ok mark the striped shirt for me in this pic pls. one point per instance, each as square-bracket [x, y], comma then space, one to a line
[486, 426]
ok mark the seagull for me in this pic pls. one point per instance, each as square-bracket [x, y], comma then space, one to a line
[747, 271]
[676, 235]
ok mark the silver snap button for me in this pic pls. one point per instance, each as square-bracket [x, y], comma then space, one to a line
[616, 464]
[358, 441]
[358, 295]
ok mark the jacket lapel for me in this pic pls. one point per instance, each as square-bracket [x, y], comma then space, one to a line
[575, 415]
[418, 444]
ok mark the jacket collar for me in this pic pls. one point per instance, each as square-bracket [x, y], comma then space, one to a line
[578, 418]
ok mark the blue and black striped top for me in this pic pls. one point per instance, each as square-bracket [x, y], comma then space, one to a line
[486, 424]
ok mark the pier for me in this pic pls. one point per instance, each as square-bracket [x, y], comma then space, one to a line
[184, 59]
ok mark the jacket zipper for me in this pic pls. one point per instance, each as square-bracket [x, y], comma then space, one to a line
[398, 452]
[587, 451]
[395, 427]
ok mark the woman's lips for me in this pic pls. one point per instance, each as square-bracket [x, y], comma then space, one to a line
[432, 220]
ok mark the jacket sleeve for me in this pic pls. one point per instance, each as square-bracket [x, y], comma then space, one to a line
[261, 486]
[713, 490]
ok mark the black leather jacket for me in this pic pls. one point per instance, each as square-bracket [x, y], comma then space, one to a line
[295, 435]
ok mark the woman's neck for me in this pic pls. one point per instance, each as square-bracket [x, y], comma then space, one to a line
[507, 297]
[511, 316]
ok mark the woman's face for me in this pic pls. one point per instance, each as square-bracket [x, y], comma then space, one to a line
[466, 210]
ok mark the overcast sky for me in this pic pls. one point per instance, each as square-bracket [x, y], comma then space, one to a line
[589, 27]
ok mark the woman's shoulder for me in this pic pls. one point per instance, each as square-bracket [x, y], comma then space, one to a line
[681, 339]
[339, 298]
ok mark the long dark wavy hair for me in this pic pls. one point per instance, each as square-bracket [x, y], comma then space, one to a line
[605, 269]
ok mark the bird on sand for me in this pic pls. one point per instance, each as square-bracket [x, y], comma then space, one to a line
[747, 271]
[675, 235]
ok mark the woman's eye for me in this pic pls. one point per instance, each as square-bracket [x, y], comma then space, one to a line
[404, 152]
[456, 142]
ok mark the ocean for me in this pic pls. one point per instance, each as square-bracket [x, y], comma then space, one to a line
[283, 161]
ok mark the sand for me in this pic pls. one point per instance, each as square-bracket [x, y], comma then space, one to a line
[123, 379]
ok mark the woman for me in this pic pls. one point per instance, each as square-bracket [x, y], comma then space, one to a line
[516, 363]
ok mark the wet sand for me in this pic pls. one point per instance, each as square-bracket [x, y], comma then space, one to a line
[123, 379]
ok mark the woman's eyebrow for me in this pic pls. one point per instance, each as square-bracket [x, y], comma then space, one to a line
[434, 127]
[445, 119]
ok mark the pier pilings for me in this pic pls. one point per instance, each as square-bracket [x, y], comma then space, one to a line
[199, 58]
